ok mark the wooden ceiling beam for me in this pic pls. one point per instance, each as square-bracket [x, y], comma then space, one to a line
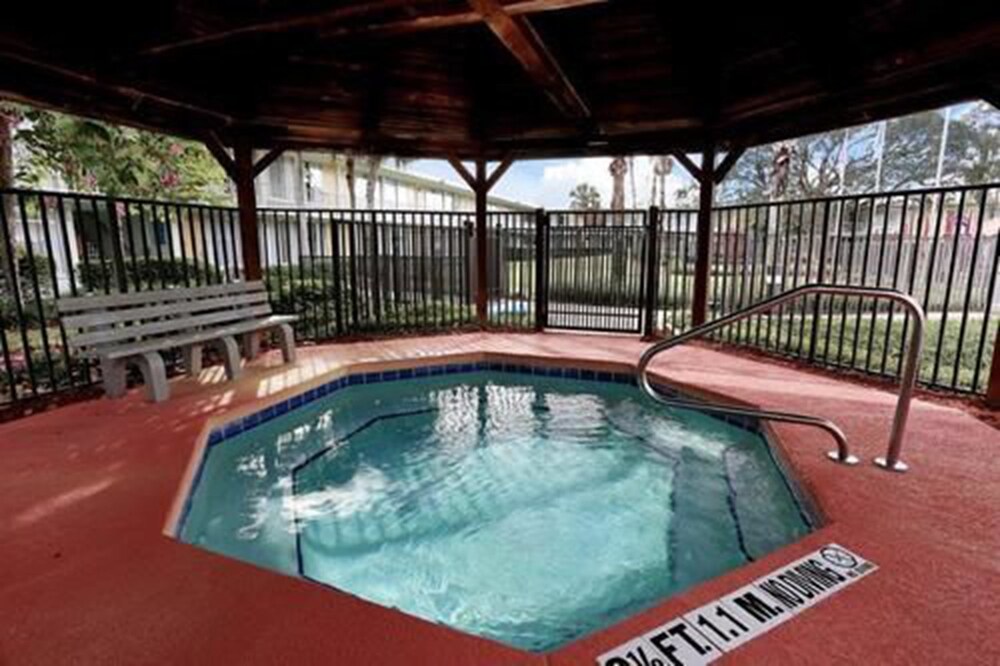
[527, 47]
[355, 12]
[453, 18]
[275, 26]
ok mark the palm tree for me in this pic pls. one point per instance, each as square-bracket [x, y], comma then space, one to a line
[662, 166]
[584, 197]
[618, 168]
[350, 177]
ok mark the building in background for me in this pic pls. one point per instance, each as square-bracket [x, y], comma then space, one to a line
[319, 180]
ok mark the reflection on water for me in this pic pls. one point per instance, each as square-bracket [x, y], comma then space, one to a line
[524, 509]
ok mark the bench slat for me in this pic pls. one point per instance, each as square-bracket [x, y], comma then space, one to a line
[121, 333]
[190, 338]
[75, 304]
[138, 314]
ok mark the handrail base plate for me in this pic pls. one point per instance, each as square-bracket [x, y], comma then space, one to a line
[899, 466]
[835, 457]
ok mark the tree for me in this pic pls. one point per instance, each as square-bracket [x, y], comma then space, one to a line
[374, 163]
[9, 117]
[911, 149]
[973, 153]
[93, 156]
[662, 166]
[618, 168]
[584, 197]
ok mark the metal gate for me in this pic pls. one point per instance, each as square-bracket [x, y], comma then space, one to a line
[596, 272]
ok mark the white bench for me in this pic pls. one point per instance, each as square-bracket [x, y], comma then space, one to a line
[119, 329]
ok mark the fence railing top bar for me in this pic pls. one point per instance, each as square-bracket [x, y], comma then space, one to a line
[96, 196]
[369, 211]
[861, 196]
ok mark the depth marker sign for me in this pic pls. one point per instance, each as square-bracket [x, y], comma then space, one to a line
[706, 633]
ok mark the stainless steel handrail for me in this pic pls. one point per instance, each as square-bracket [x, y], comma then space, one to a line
[908, 382]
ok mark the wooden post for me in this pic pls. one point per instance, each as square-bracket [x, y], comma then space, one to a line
[246, 200]
[993, 387]
[481, 183]
[699, 307]
[652, 277]
[482, 296]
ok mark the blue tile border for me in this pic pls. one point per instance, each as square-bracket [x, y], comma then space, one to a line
[246, 423]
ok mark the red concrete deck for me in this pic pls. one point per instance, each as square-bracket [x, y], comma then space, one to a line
[87, 576]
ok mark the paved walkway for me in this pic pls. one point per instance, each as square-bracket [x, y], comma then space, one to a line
[87, 576]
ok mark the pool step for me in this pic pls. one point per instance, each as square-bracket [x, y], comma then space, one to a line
[764, 505]
[704, 538]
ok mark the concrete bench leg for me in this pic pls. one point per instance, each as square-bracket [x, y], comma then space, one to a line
[154, 376]
[251, 345]
[287, 339]
[192, 360]
[113, 376]
[230, 356]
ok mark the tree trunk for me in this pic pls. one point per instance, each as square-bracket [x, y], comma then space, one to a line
[349, 175]
[372, 180]
[7, 122]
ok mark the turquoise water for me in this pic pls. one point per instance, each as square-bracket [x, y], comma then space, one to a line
[524, 509]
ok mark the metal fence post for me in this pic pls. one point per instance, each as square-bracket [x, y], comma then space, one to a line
[117, 255]
[652, 275]
[541, 269]
[820, 277]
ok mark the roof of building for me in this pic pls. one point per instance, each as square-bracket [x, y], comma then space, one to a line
[487, 78]
[442, 185]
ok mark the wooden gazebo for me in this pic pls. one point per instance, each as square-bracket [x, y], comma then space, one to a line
[496, 80]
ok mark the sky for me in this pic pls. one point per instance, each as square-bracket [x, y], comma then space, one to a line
[547, 183]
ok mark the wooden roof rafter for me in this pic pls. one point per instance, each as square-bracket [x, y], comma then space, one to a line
[524, 43]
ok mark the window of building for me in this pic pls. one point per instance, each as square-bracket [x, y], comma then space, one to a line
[277, 179]
[314, 183]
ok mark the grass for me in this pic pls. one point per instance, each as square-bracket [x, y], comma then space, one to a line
[877, 347]
[857, 343]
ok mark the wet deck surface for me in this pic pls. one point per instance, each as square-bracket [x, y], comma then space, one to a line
[87, 575]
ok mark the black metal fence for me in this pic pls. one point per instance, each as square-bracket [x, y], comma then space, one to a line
[596, 275]
[512, 256]
[939, 245]
[355, 272]
[56, 244]
[359, 272]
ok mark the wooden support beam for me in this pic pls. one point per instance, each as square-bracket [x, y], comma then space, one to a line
[481, 183]
[246, 200]
[220, 154]
[706, 193]
[686, 162]
[266, 161]
[482, 294]
[991, 94]
[460, 169]
[727, 163]
[527, 47]
[499, 171]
